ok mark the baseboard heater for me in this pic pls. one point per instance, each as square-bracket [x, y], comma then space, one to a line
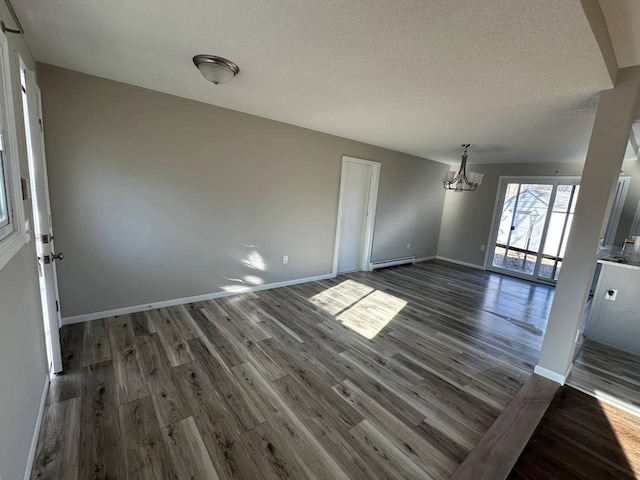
[391, 263]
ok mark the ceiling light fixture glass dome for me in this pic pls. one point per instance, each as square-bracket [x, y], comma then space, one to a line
[217, 70]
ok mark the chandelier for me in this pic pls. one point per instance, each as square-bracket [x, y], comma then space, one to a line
[462, 181]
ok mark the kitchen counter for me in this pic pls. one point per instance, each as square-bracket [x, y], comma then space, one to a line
[616, 321]
[623, 264]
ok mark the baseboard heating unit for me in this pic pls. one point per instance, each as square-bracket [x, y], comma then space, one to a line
[391, 263]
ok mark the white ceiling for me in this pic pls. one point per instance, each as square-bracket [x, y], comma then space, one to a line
[516, 78]
[623, 20]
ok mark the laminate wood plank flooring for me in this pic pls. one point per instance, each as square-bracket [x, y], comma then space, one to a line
[497, 452]
[100, 450]
[580, 437]
[69, 384]
[129, 378]
[59, 442]
[144, 450]
[609, 374]
[96, 346]
[390, 374]
[187, 450]
[168, 402]
[171, 336]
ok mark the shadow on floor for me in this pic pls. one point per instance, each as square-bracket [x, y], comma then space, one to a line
[581, 438]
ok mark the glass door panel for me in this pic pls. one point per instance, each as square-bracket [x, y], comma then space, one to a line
[504, 225]
[521, 227]
[558, 230]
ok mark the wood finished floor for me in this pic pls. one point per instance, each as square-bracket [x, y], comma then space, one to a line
[392, 374]
[581, 438]
[609, 374]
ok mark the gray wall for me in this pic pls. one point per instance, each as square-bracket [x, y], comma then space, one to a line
[155, 197]
[22, 350]
[466, 217]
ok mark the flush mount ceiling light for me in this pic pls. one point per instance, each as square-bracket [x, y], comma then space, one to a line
[217, 70]
[462, 181]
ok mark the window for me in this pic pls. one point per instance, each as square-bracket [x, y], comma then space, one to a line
[12, 226]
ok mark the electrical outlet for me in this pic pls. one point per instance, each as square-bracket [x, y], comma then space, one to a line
[285, 259]
[408, 246]
[611, 294]
[482, 248]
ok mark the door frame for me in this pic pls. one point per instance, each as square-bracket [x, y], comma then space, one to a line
[371, 211]
[635, 226]
[613, 222]
[497, 210]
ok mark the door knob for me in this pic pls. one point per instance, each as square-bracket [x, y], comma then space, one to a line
[57, 256]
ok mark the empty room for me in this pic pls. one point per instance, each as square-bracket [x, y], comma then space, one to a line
[319, 240]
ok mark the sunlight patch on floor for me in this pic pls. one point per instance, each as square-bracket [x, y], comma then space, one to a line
[363, 309]
[336, 299]
[616, 401]
[628, 448]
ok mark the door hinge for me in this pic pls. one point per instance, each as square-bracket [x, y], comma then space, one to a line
[40, 123]
[57, 306]
[45, 238]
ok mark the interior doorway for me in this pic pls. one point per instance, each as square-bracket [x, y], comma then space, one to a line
[356, 214]
[43, 230]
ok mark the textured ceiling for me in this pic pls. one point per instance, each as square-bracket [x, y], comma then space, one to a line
[517, 78]
[623, 21]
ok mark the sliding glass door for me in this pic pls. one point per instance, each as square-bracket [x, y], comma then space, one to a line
[532, 226]
[560, 221]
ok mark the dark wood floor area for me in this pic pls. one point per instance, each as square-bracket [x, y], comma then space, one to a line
[392, 374]
[580, 437]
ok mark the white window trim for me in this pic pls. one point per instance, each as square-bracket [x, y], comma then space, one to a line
[10, 245]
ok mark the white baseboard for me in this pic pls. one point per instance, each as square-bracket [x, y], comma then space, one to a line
[86, 317]
[425, 259]
[36, 430]
[460, 262]
[551, 375]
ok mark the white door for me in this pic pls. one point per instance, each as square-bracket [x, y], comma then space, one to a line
[358, 187]
[42, 227]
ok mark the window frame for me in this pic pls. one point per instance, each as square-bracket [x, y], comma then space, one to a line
[11, 243]
[5, 193]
